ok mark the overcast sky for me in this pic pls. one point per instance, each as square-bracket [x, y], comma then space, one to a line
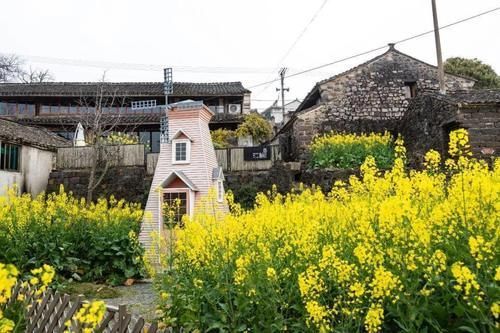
[233, 40]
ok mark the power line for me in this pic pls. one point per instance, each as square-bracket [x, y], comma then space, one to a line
[142, 67]
[287, 53]
[377, 48]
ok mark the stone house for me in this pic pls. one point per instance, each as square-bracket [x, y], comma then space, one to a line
[187, 169]
[132, 107]
[27, 155]
[372, 96]
[431, 116]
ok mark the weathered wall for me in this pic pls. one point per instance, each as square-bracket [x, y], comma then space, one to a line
[483, 124]
[9, 179]
[371, 97]
[430, 118]
[377, 90]
[425, 126]
[36, 165]
[129, 183]
[285, 176]
[315, 122]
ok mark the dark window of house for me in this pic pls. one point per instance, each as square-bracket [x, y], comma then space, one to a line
[151, 139]
[145, 138]
[410, 89]
[9, 157]
[67, 135]
[174, 207]
[155, 142]
[181, 151]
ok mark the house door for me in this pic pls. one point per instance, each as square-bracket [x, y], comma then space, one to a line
[175, 205]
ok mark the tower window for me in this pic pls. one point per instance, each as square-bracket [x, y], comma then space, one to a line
[180, 151]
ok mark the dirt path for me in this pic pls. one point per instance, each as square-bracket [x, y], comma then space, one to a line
[139, 298]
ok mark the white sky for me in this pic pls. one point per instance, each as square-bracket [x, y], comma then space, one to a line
[245, 40]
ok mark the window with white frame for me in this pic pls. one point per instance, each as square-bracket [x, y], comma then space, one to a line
[220, 191]
[144, 104]
[181, 150]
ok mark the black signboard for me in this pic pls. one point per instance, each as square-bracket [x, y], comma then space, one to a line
[257, 153]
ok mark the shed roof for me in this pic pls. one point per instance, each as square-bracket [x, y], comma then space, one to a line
[469, 97]
[31, 136]
[130, 89]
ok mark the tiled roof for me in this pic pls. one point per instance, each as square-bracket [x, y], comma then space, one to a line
[129, 89]
[315, 89]
[467, 97]
[32, 136]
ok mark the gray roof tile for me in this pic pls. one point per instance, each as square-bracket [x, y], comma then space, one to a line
[32, 136]
[130, 89]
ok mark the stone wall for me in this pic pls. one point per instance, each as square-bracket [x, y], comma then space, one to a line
[430, 119]
[129, 183]
[380, 89]
[425, 127]
[286, 176]
[483, 124]
[371, 97]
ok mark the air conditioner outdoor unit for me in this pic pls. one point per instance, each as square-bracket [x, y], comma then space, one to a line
[234, 108]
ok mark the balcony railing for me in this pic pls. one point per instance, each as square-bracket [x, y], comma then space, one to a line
[19, 109]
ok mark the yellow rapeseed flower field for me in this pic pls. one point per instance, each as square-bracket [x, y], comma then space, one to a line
[390, 251]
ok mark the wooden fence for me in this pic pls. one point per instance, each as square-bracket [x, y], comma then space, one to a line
[49, 312]
[81, 157]
[233, 159]
[230, 159]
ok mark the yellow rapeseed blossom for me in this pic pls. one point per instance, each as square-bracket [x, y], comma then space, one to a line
[374, 318]
[8, 279]
[352, 259]
[432, 160]
[271, 274]
[89, 316]
[465, 278]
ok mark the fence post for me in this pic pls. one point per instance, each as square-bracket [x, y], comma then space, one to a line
[228, 157]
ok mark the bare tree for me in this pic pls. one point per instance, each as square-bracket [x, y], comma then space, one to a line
[100, 116]
[10, 67]
[35, 75]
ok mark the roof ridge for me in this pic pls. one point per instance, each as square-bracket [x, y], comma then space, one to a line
[115, 82]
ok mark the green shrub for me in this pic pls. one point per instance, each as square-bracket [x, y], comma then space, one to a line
[96, 242]
[221, 137]
[256, 126]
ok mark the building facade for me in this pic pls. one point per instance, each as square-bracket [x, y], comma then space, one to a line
[134, 107]
[432, 116]
[370, 97]
[187, 171]
[274, 113]
[27, 156]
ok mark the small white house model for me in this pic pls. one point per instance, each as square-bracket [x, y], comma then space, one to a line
[186, 171]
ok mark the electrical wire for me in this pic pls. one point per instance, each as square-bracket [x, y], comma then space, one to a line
[287, 53]
[377, 48]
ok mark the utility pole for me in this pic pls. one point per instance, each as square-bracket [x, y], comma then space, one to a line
[437, 39]
[282, 73]
[168, 89]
